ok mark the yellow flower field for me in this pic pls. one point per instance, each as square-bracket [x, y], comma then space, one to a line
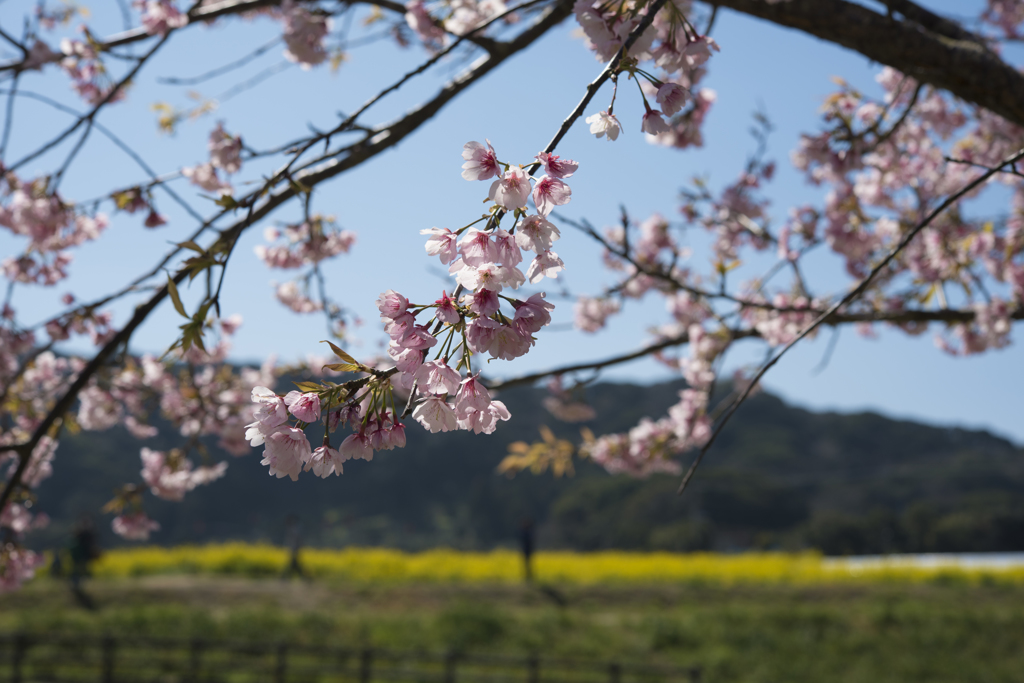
[505, 566]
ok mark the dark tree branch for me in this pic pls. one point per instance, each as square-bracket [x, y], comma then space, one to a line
[920, 47]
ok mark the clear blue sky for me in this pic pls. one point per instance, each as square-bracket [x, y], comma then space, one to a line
[417, 185]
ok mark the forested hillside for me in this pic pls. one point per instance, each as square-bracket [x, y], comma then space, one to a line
[780, 477]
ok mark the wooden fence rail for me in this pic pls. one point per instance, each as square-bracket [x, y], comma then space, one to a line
[57, 658]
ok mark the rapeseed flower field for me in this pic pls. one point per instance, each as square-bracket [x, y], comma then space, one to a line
[366, 565]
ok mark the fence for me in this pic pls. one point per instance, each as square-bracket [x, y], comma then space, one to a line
[43, 658]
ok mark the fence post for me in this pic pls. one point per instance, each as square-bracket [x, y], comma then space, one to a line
[614, 672]
[533, 670]
[366, 666]
[20, 645]
[450, 660]
[281, 665]
[107, 675]
[195, 654]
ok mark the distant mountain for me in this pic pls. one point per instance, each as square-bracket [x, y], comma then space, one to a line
[779, 477]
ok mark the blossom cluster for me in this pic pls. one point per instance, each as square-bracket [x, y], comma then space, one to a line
[225, 155]
[52, 227]
[868, 155]
[466, 323]
[304, 245]
[670, 45]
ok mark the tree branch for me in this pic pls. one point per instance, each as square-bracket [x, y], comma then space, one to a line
[380, 141]
[853, 294]
[923, 49]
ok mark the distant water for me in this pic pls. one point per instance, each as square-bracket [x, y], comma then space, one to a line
[933, 560]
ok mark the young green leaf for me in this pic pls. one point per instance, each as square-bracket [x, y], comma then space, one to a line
[172, 290]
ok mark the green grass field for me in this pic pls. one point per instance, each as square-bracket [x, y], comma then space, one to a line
[870, 632]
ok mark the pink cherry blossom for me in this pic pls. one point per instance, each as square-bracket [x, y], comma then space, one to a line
[406, 360]
[477, 248]
[19, 567]
[653, 123]
[325, 460]
[591, 313]
[532, 314]
[356, 447]
[306, 406]
[447, 312]
[699, 51]
[480, 333]
[485, 421]
[225, 150]
[484, 302]
[391, 304]
[286, 450]
[508, 343]
[304, 32]
[481, 162]
[160, 16]
[545, 264]
[512, 189]
[604, 123]
[550, 192]
[672, 97]
[418, 337]
[272, 410]
[436, 377]
[508, 252]
[487, 276]
[205, 176]
[163, 481]
[441, 243]
[436, 415]
[473, 395]
[555, 166]
[400, 325]
[422, 23]
[394, 436]
[135, 526]
[536, 233]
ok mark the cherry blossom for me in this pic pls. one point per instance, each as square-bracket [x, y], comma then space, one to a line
[324, 461]
[305, 406]
[435, 415]
[442, 243]
[481, 162]
[537, 234]
[135, 526]
[160, 16]
[512, 189]
[550, 192]
[557, 167]
[545, 264]
[286, 451]
[304, 32]
[604, 123]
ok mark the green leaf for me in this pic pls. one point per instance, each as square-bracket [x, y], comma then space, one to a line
[308, 386]
[227, 201]
[343, 367]
[340, 353]
[172, 289]
[191, 245]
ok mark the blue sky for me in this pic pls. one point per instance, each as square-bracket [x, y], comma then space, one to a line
[417, 185]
